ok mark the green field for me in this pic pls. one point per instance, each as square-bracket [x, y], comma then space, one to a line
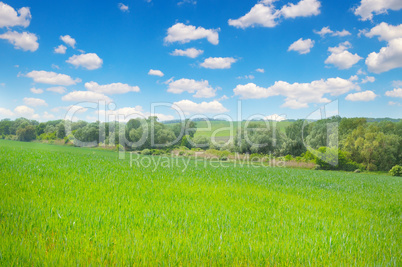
[74, 206]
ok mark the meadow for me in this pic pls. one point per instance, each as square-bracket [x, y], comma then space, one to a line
[79, 206]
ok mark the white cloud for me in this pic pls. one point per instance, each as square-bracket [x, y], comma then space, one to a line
[368, 8]
[385, 32]
[34, 102]
[190, 52]
[251, 77]
[298, 95]
[156, 73]
[26, 112]
[5, 113]
[361, 96]
[90, 61]
[260, 70]
[191, 2]
[36, 91]
[326, 30]
[190, 107]
[302, 46]
[275, 117]
[9, 17]
[61, 49]
[218, 62]
[305, 8]
[67, 39]
[388, 58]
[80, 96]
[185, 33]
[25, 41]
[397, 83]
[113, 88]
[370, 79]
[57, 89]
[394, 93]
[391, 103]
[50, 77]
[131, 113]
[342, 58]
[48, 116]
[202, 89]
[263, 13]
[123, 7]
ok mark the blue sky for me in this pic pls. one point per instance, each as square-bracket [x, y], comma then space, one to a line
[277, 57]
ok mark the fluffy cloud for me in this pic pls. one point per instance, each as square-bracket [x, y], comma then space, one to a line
[48, 116]
[50, 77]
[61, 49]
[218, 62]
[67, 39]
[265, 14]
[90, 61]
[113, 88]
[368, 79]
[34, 102]
[326, 30]
[361, 96]
[5, 113]
[25, 41]
[202, 89]
[385, 32]
[26, 112]
[131, 113]
[298, 95]
[368, 8]
[123, 7]
[185, 33]
[388, 58]
[190, 52]
[394, 93]
[190, 107]
[36, 91]
[342, 58]
[9, 17]
[57, 89]
[275, 117]
[302, 46]
[156, 73]
[260, 70]
[305, 8]
[80, 96]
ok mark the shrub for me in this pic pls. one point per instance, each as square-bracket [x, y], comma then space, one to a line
[396, 170]
[146, 152]
[288, 157]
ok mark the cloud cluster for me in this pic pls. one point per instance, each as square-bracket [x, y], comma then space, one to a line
[68, 40]
[202, 89]
[113, 88]
[185, 33]
[368, 8]
[341, 57]
[218, 62]
[265, 14]
[190, 107]
[34, 102]
[302, 46]
[156, 73]
[361, 96]
[388, 58]
[394, 93]
[9, 17]
[49, 77]
[298, 95]
[190, 52]
[81, 96]
[89, 61]
[326, 30]
[25, 40]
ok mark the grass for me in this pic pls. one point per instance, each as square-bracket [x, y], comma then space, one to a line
[74, 206]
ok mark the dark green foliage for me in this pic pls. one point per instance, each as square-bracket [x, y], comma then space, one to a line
[26, 133]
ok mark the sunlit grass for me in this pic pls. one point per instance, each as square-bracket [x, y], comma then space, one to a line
[70, 206]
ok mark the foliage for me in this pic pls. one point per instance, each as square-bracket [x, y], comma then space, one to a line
[26, 133]
[396, 170]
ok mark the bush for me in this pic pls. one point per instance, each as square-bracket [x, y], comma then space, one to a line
[146, 152]
[396, 170]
